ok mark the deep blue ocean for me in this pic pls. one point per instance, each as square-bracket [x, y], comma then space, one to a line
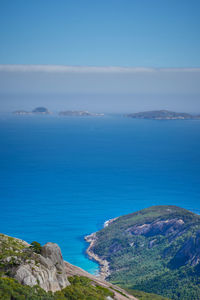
[61, 178]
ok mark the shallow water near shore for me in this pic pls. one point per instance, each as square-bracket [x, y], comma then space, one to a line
[62, 178]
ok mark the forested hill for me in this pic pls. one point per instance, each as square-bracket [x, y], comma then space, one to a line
[155, 250]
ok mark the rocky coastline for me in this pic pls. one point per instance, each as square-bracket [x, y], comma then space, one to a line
[108, 222]
[104, 271]
[103, 264]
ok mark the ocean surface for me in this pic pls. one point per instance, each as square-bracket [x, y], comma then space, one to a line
[61, 178]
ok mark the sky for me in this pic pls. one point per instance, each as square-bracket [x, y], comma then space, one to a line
[121, 55]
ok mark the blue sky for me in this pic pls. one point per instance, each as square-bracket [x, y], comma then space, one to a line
[121, 55]
[150, 33]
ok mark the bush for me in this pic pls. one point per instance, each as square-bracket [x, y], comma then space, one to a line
[36, 247]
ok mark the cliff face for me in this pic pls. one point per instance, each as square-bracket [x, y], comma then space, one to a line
[188, 254]
[46, 269]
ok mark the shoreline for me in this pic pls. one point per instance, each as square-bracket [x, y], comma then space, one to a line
[104, 270]
[103, 264]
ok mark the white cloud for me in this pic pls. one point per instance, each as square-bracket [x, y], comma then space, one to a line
[88, 69]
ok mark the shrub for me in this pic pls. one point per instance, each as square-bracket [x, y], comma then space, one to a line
[36, 247]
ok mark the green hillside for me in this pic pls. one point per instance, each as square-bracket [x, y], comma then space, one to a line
[81, 288]
[155, 250]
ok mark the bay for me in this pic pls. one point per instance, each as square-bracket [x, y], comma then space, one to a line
[62, 178]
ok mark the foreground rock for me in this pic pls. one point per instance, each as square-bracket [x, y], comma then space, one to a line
[46, 269]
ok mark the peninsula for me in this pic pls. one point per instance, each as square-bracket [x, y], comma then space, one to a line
[163, 115]
[155, 250]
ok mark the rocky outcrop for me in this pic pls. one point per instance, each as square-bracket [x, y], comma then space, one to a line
[163, 227]
[188, 254]
[47, 270]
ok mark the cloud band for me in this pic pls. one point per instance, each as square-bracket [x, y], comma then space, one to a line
[89, 69]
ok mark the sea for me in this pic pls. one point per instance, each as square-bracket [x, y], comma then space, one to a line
[61, 178]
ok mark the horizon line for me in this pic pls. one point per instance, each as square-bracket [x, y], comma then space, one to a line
[51, 68]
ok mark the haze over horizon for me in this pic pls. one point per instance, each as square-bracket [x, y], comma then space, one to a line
[108, 56]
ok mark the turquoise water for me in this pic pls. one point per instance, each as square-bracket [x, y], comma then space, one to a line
[61, 178]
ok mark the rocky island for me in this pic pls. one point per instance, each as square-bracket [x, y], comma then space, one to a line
[37, 111]
[78, 113]
[163, 115]
[155, 250]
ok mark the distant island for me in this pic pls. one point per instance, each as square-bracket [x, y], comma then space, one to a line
[163, 115]
[37, 111]
[78, 113]
[67, 113]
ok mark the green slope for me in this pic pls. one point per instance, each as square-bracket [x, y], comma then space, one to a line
[81, 288]
[154, 250]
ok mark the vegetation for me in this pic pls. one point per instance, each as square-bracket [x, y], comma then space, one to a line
[81, 288]
[155, 250]
[36, 247]
[11, 254]
[14, 252]
[145, 296]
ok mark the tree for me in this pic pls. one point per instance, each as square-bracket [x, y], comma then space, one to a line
[36, 247]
